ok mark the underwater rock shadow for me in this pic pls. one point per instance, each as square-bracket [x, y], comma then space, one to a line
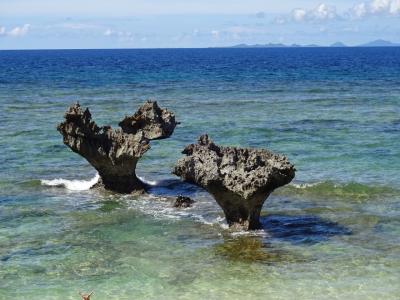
[171, 187]
[302, 229]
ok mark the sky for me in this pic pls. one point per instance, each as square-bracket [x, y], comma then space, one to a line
[76, 24]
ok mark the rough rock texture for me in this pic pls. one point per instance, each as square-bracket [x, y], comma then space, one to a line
[115, 153]
[156, 123]
[239, 179]
[183, 202]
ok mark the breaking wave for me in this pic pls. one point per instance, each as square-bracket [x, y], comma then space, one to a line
[148, 182]
[73, 185]
[204, 210]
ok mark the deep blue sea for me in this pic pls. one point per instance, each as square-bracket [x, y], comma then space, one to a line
[334, 233]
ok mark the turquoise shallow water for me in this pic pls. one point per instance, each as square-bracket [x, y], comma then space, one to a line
[332, 234]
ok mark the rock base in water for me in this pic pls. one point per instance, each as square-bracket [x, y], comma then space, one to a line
[183, 202]
[115, 153]
[239, 179]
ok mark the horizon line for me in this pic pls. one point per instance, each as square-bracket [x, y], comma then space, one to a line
[217, 47]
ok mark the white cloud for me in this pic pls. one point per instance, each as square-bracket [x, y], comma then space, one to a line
[16, 31]
[324, 12]
[360, 10]
[379, 6]
[321, 13]
[116, 33]
[19, 30]
[395, 7]
[299, 14]
[122, 36]
[375, 8]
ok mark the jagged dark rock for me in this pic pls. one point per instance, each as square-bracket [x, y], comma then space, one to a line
[239, 179]
[156, 123]
[183, 202]
[115, 153]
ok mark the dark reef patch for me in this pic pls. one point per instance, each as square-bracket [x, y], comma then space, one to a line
[303, 229]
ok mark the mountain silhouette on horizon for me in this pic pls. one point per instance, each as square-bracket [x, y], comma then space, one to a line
[376, 43]
[380, 43]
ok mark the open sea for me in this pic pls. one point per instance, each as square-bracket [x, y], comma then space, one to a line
[333, 233]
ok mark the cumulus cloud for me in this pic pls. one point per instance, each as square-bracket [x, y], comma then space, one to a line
[375, 8]
[322, 12]
[360, 10]
[15, 32]
[299, 14]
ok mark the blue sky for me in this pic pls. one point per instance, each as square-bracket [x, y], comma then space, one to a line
[42, 24]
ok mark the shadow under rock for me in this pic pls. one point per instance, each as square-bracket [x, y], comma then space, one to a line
[172, 187]
[303, 229]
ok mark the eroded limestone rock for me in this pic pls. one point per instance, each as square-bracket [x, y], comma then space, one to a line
[115, 153]
[183, 202]
[239, 179]
[154, 122]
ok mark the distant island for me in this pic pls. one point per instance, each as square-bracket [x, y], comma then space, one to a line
[376, 43]
[338, 45]
[380, 43]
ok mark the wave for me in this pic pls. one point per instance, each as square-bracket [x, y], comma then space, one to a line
[203, 211]
[351, 190]
[148, 182]
[304, 185]
[73, 185]
[159, 207]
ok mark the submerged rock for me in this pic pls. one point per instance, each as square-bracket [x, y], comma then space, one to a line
[239, 179]
[183, 202]
[115, 153]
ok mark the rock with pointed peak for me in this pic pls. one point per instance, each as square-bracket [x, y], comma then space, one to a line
[154, 122]
[115, 153]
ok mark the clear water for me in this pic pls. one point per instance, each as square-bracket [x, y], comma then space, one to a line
[332, 234]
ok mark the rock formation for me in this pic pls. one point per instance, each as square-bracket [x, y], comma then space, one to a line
[239, 179]
[183, 202]
[115, 153]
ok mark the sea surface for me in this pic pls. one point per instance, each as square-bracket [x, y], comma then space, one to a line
[333, 233]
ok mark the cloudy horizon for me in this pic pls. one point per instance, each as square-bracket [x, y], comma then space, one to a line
[45, 24]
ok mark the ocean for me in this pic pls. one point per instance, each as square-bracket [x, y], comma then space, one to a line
[333, 233]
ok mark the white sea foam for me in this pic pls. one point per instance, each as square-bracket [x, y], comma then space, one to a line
[73, 185]
[161, 208]
[148, 182]
[203, 211]
[304, 185]
[259, 232]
